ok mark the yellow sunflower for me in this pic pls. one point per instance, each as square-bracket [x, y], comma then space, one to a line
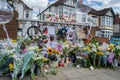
[50, 50]
[55, 51]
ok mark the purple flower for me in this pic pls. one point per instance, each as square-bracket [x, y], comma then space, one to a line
[110, 58]
[46, 55]
[59, 47]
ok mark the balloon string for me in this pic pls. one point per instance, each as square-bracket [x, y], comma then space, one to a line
[89, 30]
[4, 28]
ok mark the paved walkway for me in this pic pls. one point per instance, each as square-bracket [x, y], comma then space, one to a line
[72, 73]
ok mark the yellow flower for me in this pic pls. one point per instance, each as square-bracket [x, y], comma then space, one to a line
[55, 51]
[108, 49]
[14, 41]
[100, 53]
[66, 42]
[37, 49]
[111, 45]
[44, 59]
[11, 67]
[50, 50]
[88, 49]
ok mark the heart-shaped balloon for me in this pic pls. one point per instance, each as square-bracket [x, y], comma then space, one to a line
[6, 12]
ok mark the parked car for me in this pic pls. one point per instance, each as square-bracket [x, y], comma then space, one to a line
[115, 39]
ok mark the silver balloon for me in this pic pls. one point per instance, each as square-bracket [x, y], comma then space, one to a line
[6, 12]
[82, 6]
[6, 15]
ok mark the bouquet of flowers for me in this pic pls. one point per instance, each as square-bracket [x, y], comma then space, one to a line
[53, 60]
[62, 32]
[99, 58]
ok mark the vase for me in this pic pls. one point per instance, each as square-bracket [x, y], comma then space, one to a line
[54, 64]
[53, 67]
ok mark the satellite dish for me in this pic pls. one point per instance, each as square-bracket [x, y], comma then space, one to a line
[81, 5]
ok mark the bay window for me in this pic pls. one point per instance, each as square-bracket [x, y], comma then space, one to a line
[106, 21]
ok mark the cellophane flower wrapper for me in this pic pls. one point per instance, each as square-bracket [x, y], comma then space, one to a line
[18, 62]
[28, 61]
[92, 56]
[4, 56]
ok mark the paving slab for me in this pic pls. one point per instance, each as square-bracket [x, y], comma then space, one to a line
[72, 73]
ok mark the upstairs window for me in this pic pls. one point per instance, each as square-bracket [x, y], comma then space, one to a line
[27, 14]
[83, 18]
[94, 19]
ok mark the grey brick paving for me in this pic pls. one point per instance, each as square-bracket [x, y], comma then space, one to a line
[72, 73]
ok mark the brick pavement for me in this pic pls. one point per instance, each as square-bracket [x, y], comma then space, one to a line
[72, 73]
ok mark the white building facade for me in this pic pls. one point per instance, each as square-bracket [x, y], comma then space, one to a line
[66, 8]
[24, 12]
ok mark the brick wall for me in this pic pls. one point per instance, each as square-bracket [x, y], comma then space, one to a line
[12, 28]
[101, 39]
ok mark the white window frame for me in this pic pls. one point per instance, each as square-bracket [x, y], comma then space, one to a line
[106, 33]
[27, 14]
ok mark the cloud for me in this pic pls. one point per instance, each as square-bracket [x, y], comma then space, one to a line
[36, 3]
[39, 5]
[114, 3]
[101, 4]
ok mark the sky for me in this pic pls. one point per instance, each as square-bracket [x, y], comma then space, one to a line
[39, 5]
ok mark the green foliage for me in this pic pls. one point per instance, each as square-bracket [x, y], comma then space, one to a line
[62, 56]
[117, 52]
[94, 41]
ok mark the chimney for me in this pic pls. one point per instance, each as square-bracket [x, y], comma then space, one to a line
[117, 19]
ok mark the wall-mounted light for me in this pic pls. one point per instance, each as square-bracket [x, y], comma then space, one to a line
[10, 2]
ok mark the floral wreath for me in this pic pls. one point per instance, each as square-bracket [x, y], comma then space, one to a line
[62, 32]
[35, 28]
